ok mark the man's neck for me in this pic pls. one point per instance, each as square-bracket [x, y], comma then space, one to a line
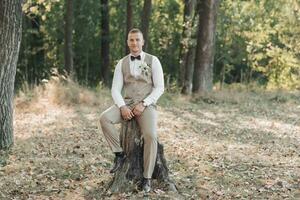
[136, 53]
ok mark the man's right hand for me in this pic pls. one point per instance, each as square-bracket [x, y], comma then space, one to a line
[126, 113]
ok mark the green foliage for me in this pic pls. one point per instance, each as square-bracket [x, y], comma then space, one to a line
[117, 30]
[165, 33]
[259, 38]
[255, 40]
[87, 40]
[42, 40]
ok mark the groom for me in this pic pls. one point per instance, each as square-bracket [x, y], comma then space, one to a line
[140, 76]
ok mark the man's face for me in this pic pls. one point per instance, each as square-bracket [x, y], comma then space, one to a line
[135, 42]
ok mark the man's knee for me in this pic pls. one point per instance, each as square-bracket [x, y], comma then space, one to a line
[150, 136]
[103, 118]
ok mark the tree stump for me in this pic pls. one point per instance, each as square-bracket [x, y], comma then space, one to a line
[127, 178]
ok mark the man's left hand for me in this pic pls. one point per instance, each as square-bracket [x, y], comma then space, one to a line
[138, 109]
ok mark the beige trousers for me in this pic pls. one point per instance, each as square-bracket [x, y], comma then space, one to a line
[147, 123]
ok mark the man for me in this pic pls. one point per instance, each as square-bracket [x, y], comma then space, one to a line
[140, 76]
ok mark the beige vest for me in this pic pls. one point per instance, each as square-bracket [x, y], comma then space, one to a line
[136, 89]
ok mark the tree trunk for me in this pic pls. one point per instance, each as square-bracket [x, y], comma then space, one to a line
[204, 61]
[145, 21]
[105, 69]
[69, 65]
[131, 173]
[10, 39]
[87, 68]
[187, 49]
[129, 23]
[189, 71]
[36, 59]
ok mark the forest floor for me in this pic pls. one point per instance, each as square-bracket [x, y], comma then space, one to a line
[232, 144]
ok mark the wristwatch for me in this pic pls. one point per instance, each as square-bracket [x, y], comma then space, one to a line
[144, 103]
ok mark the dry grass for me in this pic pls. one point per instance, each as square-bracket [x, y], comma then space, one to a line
[231, 144]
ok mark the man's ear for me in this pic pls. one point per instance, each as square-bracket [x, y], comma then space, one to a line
[127, 42]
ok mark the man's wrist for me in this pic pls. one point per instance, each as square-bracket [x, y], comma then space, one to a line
[121, 104]
[122, 107]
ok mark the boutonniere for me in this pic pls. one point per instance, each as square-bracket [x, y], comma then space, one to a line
[145, 69]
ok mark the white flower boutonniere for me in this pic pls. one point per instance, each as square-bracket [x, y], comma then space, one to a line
[145, 69]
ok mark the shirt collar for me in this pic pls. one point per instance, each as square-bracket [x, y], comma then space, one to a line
[142, 54]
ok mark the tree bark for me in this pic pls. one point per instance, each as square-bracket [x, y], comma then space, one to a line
[131, 172]
[69, 63]
[10, 39]
[189, 71]
[145, 21]
[204, 61]
[187, 49]
[87, 68]
[36, 59]
[105, 69]
[129, 23]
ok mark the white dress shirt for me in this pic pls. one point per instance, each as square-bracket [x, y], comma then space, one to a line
[157, 77]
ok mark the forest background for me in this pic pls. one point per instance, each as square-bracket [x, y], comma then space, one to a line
[229, 118]
[255, 41]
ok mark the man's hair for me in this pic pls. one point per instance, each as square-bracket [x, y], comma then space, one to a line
[135, 30]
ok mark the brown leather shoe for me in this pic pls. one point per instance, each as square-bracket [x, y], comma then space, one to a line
[118, 162]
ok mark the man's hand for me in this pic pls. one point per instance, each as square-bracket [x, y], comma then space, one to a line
[126, 113]
[138, 109]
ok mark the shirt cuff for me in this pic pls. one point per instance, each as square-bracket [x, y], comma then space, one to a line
[121, 104]
[147, 102]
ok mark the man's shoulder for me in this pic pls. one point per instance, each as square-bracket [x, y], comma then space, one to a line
[120, 61]
[148, 54]
[124, 57]
[153, 57]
